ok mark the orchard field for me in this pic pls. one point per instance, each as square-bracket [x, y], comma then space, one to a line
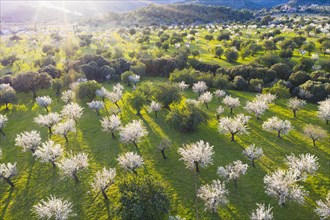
[158, 91]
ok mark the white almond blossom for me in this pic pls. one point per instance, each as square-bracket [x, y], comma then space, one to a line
[268, 98]
[235, 125]
[115, 96]
[111, 124]
[53, 208]
[253, 153]
[130, 161]
[324, 110]
[219, 111]
[72, 164]
[155, 107]
[64, 128]
[262, 213]
[102, 93]
[232, 171]
[314, 132]
[231, 102]
[72, 111]
[199, 87]
[256, 107]
[183, 86]
[323, 208]
[96, 105]
[28, 140]
[283, 185]
[303, 165]
[3, 120]
[213, 195]
[7, 171]
[295, 104]
[67, 96]
[133, 132]
[198, 154]
[49, 152]
[44, 101]
[206, 98]
[103, 179]
[219, 94]
[278, 125]
[48, 121]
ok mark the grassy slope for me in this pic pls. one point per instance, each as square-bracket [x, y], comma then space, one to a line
[37, 180]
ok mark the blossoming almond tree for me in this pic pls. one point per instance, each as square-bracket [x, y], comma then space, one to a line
[183, 86]
[103, 179]
[111, 124]
[71, 165]
[155, 107]
[198, 154]
[3, 120]
[199, 87]
[130, 161]
[219, 94]
[236, 125]
[102, 93]
[232, 171]
[7, 171]
[231, 103]
[28, 140]
[314, 132]
[303, 165]
[49, 152]
[48, 120]
[206, 98]
[323, 208]
[324, 110]
[96, 105]
[213, 195]
[133, 132]
[53, 208]
[44, 101]
[262, 213]
[256, 107]
[253, 153]
[295, 104]
[67, 96]
[72, 111]
[278, 125]
[64, 128]
[282, 184]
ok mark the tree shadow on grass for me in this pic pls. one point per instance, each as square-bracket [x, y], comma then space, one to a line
[3, 212]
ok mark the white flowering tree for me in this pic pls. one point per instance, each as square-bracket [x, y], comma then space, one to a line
[118, 87]
[130, 161]
[7, 171]
[278, 125]
[323, 208]
[234, 126]
[303, 165]
[196, 155]
[48, 120]
[219, 111]
[324, 110]
[115, 96]
[28, 140]
[104, 179]
[163, 145]
[183, 86]
[44, 101]
[206, 98]
[72, 111]
[283, 185]
[102, 93]
[253, 153]
[213, 195]
[96, 105]
[262, 213]
[64, 128]
[49, 152]
[155, 107]
[53, 208]
[3, 120]
[268, 98]
[219, 94]
[67, 96]
[232, 171]
[231, 102]
[111, 124]
[256, 107]
[71, 165]
[199, 87]
[295, 104]
[133, 132]
[314, 132]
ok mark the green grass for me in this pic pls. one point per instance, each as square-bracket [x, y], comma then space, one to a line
[36, 180]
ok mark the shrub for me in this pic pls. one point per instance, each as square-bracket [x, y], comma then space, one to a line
[283, 71]
[299, 78]
[317, 89]
[278, 89]
[240, 83]
[186, 116]
[221, 81]
[137, 100]
[231, 55]
[31, 81]
[187, 75]
[126, 76]
[167, 93]
[87, 90]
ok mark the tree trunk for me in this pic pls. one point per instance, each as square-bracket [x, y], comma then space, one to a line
[314, 144]
[34, 93]
[294, 113]
[233, 137]
[219, 99]
[207, 106]
[112, 134]
[135, 145]
[66, 139]
[231, 110]
[9, 182]
[97, 112]
[235, 182]
[46, 108]
[279, 134]
[74, 175]
[7, 106]
[33, 150]
[50, 130]
[327, 122]
[117, 105]
[156, 114]
[163, 154]
[253, 163]
[196, 167]
[53, 164]
[134, 171]
[104, 194]
[3, 133]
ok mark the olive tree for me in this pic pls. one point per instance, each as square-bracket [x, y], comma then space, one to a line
[155, 107]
